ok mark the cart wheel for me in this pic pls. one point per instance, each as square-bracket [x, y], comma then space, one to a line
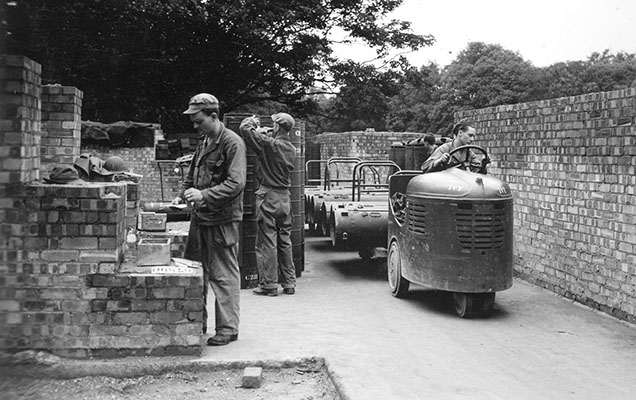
[471, 304]
[487, 303]
[463, 304]
[398, 285]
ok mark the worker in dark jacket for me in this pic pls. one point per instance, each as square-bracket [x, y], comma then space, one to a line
[214, 187]
[276, 155]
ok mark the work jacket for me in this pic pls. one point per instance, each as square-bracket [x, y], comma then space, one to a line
[276, 156]
[218, 170]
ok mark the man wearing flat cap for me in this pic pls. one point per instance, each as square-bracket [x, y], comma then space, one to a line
[214, 187]
[276, 155]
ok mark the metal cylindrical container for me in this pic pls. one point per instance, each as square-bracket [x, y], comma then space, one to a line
[296, 190]
[359, 226]
[397, 154]
[421, 152]
[408, 154]
[247, 252]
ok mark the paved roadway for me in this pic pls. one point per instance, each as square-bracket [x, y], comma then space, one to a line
[536, 345]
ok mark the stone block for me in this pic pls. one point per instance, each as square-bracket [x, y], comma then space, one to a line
[252, 377]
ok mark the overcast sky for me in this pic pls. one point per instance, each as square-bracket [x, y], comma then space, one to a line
[541, 31]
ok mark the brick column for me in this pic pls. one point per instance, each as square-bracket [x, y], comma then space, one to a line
[61, 125]
[20, 121]
[19, 148]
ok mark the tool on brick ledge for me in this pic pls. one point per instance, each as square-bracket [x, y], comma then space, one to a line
[184, 262]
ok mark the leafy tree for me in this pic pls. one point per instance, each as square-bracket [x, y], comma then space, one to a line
[411, 109]
[363, 101]
[601, 72]
[485, 75]
[611, 71]
[482, 75]
[562, 79]
[143, 59]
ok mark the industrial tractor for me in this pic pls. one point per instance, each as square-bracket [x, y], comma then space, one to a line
[451, 231]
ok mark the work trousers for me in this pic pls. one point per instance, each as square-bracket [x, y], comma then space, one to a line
[273, 239]
[219, 253]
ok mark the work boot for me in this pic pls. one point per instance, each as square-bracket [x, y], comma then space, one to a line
[289, 290]
[221, 340]
[265, 292]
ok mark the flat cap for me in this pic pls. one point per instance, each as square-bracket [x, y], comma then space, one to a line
[284, 120]
[200, 102]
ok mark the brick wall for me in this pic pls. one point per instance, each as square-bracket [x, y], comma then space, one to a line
[571, 165]
[364, 144]
[61, 129]
[367, 145]
[65, 284]
[139, 313]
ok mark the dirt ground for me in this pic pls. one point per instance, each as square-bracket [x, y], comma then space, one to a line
[303, 382]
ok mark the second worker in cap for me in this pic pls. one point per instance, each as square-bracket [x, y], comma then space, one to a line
[276, 155]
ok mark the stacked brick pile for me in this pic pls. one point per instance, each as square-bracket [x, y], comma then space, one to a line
[571, 164]
[61, 128]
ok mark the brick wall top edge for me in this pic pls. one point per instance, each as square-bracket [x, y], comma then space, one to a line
[557, 101]
[87, 190]
[374, 133]
[20, 61]
[59, 89]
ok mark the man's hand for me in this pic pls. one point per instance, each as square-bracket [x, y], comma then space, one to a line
[442, 160]
[193, 195]
[177, 200]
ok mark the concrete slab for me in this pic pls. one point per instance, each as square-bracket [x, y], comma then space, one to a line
[536, 345]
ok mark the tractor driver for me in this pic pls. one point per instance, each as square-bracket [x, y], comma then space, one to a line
[464, 134]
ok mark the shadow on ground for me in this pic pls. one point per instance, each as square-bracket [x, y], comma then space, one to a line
[441, 302]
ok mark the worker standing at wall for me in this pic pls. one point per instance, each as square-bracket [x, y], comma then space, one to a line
[276, 156]
[214, 186]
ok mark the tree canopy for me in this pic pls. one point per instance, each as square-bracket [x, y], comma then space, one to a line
[485, 75]
[143, 59]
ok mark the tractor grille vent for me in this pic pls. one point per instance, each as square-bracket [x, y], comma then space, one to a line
[417, 218]
[481, 227]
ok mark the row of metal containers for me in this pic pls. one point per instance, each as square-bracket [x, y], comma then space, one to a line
[247, 252]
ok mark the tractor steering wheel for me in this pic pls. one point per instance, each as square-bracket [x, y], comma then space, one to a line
[467, 165]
